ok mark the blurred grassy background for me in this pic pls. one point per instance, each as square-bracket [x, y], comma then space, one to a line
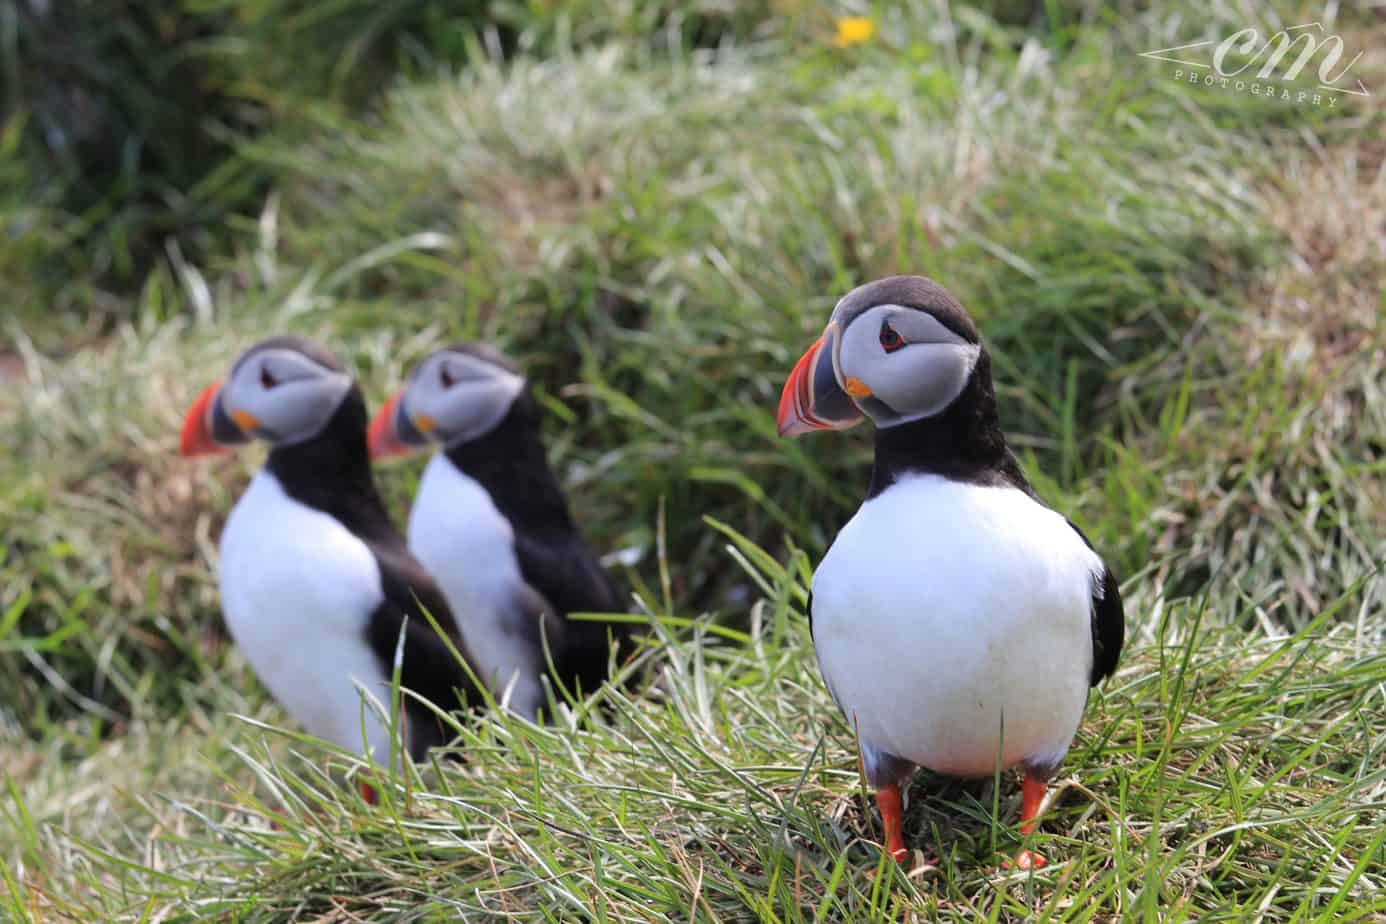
[653, 206]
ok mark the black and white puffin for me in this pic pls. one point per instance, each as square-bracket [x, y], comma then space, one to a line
[316, 581]
[955, 614]
[492, 525]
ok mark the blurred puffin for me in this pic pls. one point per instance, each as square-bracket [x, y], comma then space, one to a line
[491, 523]
[955, 614]
[316, 582]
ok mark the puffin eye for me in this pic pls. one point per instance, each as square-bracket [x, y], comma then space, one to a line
[890, 338]
[446, 378]
[267, 379]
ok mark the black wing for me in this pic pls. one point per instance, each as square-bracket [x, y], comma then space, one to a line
[1108, 621]
[429, 667]
[1108, 628]
[567, 575]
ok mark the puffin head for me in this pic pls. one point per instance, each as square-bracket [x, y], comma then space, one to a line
[896, 350]
[456, 395]
[283, 390]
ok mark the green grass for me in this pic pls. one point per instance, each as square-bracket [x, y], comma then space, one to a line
[1183, 296]
[1214, 778]
[127, 128]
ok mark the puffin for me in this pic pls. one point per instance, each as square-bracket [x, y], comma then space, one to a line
[491, 523]
[957, 620]
[317, 585]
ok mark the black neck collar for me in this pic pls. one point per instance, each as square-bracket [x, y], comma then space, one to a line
[332, 472]
[964, 443]
[510, 463]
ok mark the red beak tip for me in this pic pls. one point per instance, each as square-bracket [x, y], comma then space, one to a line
[794, 415]
[381, 440]
[195, 438]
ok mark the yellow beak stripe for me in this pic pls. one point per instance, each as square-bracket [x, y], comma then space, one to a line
[857, 388]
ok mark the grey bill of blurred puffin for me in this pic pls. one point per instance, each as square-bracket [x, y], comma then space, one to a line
[957, 619]
[491, 523]
[316, 582]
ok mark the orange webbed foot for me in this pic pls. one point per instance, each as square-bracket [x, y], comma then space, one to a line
[1026, 859]
[1031, 798]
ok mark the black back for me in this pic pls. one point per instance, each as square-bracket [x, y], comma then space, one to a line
[554, 559]
[331, 472]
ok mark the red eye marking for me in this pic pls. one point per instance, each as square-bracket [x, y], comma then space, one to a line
[890, 338]
[446, 378]
[266, 379]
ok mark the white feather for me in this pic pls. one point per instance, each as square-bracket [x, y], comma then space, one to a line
[466, 543]
[943, 606]
[298, 590]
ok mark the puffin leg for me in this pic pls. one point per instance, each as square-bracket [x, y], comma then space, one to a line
[893, 818]
[368, 792]
[1031, 795]
[885, 771]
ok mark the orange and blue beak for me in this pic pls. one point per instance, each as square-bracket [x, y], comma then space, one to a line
[393, 432]
[812, 399]
[207, 428]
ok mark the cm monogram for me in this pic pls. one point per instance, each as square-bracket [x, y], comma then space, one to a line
[1282, 59]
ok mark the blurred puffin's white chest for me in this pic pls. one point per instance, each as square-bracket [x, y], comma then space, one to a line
[298, 590]
[945, 609]
[466, 543]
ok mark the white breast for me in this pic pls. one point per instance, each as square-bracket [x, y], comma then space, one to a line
[943, 607]
[467, 544]
[297, 590]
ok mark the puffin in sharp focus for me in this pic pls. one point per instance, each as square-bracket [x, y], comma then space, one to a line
[955, 614]
[316, 581]
[492, 525]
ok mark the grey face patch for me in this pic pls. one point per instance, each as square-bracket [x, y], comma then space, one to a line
[455, 397]
[919, 378]
[289, 395]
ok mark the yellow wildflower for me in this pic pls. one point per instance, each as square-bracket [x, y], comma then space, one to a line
[853, 30]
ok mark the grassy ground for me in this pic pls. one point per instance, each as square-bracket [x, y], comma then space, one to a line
[1183, 293]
